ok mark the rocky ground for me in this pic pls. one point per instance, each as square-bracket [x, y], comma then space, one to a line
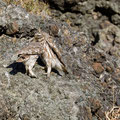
[89, 40]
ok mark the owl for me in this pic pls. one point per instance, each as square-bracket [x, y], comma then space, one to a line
[42, 47]
[30, 53]
[51, 56]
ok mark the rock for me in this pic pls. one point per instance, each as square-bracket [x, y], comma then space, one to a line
[116, 19]
[12, 28]
[115, 51]
[78, 22]
[109, 69]
[61, 4]
[105, 24]
[118, 101]
[25, 117]
[2, 4]
[85, 112]
[98, 68]
[54, 29]
[83, 6]
[79, 95]
[100, 113]
[97, 9]
[109, 38]
[112, 6]
[18, 21]
[71, 5]
[94, 104]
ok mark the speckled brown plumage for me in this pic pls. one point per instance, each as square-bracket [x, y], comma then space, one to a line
[42, 46]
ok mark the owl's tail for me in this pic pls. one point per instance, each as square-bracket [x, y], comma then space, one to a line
[64, 69]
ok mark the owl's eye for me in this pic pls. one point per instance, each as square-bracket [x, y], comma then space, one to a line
[23, 57]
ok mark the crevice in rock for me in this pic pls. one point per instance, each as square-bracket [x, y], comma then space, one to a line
[64, 8]
[2, 30]
[53, 5]
[96, 39]
[68, 8]
[105, 11]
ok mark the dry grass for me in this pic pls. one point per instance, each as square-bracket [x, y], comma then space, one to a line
[114, 112]
[33, 6]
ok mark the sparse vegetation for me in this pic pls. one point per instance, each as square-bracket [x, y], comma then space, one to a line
[33, 6]
[114, 112]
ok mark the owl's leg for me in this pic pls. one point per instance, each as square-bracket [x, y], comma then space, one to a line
[49, 67]
[48, 70]
[31, 73]
[27, 69]
[30, 64]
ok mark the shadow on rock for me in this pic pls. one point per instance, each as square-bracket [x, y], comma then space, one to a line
[17, 67]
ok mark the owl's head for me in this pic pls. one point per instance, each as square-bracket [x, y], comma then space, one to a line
[23, 58]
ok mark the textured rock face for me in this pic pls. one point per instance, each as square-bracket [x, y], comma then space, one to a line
[85, 5]
[68, 5]
[109, 38]
[85, 9]
[86, 92]
[14, 20]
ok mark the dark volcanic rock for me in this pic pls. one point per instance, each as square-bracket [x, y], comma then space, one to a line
[14, 20]
[82, 12]
[86, 93]
[71, 5]
[116, 19]
[98, 68]
[84, 6]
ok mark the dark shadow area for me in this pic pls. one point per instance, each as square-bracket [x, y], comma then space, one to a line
[17, 67]
[96, 39]
[54, 6]
[20, 67]
[55, 71]
[40, 62]
[68, 7]
[65, 7]
[105, 11]
[2, 30]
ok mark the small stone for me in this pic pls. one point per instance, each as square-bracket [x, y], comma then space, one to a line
[78, 22]
[118, 101]
[98, 68]
[100, 113]
[116, 19]
[94, 118]
[104, 84]
[117, 71]
[95, 105]
[95, 15]
[104, 24]
[12, 28]
[89, 114]
[54, 29]
[25, 117]
[109, 69]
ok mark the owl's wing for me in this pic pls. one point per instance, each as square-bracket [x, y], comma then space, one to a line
[55, 50]
[34, 48]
